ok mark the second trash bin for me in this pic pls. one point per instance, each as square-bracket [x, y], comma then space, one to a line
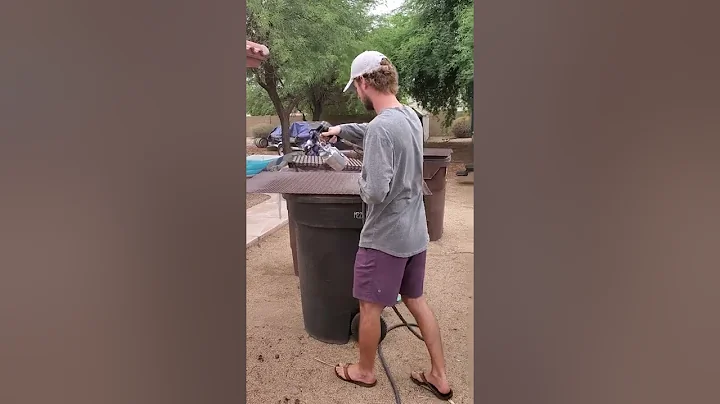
[435, 163]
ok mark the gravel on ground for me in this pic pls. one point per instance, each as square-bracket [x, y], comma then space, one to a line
[255, 199]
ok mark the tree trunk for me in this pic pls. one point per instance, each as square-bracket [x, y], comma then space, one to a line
[285, 126]
[315, 96]
[317, 110]
[283, 115]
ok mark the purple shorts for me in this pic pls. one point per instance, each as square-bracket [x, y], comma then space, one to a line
[380, 277]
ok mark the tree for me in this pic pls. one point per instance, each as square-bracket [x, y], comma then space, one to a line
[322, 97]
[321, 91]
[307, 40]
[326, 95]
[257, 99]
[431, 44]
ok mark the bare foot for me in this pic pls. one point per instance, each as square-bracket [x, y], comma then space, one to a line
[353, 374]
[441, 384]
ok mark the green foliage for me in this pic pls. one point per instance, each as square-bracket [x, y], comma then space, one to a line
[343, 103]
[464, 60]
[311, 44]
[258, 102]
[307, 39]
[326, 96]
[460, 128]
[262, 130]
[431, 44]
[388, 34]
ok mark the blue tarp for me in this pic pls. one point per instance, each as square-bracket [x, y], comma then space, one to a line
[298, 130]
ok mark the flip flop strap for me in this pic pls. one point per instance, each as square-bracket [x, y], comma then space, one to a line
[345, 370]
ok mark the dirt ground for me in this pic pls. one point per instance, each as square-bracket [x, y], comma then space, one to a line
[282, 361]
[255, 199]
[250, 148]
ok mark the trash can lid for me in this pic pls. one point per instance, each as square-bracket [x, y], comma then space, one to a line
[431, 152]
[308, 183]
[305, 183]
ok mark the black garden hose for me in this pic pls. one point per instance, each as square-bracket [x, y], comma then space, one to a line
[385, 366]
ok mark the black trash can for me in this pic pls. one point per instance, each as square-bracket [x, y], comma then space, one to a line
[327, 233]
[435, 163]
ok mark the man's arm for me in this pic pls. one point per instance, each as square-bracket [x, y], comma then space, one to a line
[377, 170]
[353, 132]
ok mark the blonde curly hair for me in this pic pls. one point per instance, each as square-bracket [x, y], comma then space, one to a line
[384, 80]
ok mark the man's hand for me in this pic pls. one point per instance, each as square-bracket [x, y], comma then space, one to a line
[331, 135]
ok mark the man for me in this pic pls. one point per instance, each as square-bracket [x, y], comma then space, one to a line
[393, 242]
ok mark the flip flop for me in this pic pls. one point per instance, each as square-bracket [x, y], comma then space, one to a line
[348, 379]
[431, 388]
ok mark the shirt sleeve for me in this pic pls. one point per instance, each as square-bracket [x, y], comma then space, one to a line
[377, 168]
[353, 132]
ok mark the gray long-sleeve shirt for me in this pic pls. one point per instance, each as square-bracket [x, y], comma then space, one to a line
[392, 181]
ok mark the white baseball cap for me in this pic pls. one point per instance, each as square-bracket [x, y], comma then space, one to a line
[366, 62]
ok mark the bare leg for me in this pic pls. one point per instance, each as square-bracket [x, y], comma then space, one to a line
[369, 335]
[369, 339]
[431, 334]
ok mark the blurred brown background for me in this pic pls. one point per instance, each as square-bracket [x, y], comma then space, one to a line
[597, 193]
[121, 202]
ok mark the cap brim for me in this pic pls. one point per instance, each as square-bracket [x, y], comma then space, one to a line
[349, 84]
